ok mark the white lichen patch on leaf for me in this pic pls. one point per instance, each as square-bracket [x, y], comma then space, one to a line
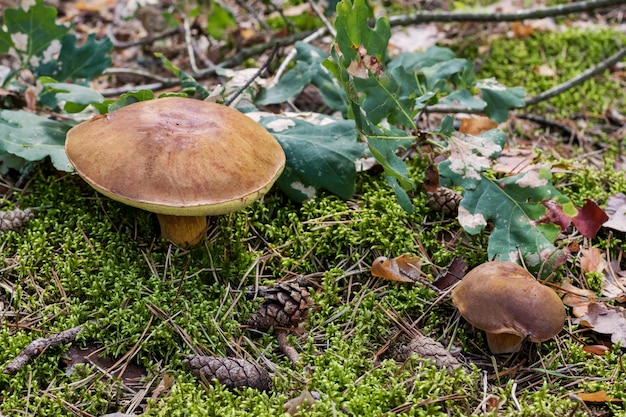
[532, 179]
[470, 155]
[471, 221]
[279, 125]
[308, 191]
[20, 41]
[491, 84]
[52, 50]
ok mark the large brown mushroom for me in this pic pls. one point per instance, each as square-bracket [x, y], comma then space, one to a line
[181, 158]
[509, 304]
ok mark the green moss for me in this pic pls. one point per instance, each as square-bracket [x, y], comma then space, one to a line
[568, 53]
[85, 259]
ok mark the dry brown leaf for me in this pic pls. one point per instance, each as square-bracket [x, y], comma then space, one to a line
[303, 402]
[605, 320]
[404, 268]
[592, 260]
[521, 30]
[616, 209]
[577, 298]
[544, 71]
[166, 383]
[515, 161]
[614, 287]
[597, 397]
[599, 350]
[475, 125]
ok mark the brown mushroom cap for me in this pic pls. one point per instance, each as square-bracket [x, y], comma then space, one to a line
[502, 298]
[176, 156]
[183, 159]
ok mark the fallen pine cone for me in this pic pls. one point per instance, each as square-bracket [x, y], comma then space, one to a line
[286, 305]
[445, 200]
[230, 372]
[14, 219]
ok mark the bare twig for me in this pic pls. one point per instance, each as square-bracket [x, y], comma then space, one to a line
[251, 80]
[254, 14]
[38, 346]
[292, 54]
[190, 51]
[285, 346]
[208, 72]
[538, 13]
[420, 17]
[143, 41]
[319, 14]
[579, 79]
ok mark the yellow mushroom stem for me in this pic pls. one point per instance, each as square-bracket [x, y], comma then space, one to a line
[184, 231]
[504, 343]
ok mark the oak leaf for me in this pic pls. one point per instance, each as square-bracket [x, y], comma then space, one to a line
[605, 319]
[404, 268]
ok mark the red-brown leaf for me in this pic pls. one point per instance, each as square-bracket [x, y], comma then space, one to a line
[589, 219]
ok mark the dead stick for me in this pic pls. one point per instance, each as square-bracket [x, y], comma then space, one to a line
[286, 347]
[38, 346]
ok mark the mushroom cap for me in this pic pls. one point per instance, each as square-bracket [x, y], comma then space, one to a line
[502, 297]
[176, 156]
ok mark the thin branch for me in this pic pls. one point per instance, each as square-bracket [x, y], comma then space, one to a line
[137, 72]
[254, 14]
[143, 41]
[254, 77]
[319, 14]
[190, 51]
[292, 54]
[286, 348]
[208, 72]
[538, 13]
[420, 17]
[579, 79]
[38, 346]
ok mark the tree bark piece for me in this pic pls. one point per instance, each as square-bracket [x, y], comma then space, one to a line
[427, 348]
[38, 346]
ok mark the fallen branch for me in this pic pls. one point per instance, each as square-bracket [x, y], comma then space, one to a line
[38, 346]
[538, 13]
[579, 79]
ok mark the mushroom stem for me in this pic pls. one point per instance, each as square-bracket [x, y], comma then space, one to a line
[504, 343]
[184, 231]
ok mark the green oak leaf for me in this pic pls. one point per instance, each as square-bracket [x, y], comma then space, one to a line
[32, 33]
[353, 30]
[34, 137]
[320, 155]
[75, 96]
[83, 62]
[500, 99]
[514, 205]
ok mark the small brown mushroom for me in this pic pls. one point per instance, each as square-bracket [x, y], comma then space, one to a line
[181, 158]
[509, 304]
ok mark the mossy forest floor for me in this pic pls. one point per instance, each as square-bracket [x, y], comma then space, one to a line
[145, 304]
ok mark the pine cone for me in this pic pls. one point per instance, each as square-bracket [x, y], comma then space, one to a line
[445, 200]
[230, 372]
[14, 219]
[286, 305]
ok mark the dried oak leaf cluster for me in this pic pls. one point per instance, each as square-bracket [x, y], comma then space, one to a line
[285, 305]
[230, 372]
